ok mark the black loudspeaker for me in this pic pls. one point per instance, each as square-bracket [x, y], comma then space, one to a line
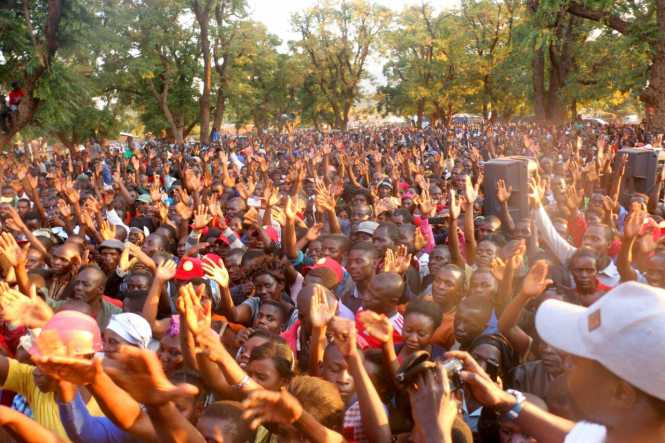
[515, 171]
[642, 173]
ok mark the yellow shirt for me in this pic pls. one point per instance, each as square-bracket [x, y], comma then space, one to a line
[45, 411]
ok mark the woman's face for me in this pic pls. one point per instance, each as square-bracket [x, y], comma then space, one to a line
[112, 343]
[170, 354]
[265, 373]
[267, 287]
[248, 347]
[417, 331]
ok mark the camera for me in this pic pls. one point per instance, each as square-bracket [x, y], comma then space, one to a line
[420, 362]
[453, 368]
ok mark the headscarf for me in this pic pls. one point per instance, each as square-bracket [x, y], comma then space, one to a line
[133, 328]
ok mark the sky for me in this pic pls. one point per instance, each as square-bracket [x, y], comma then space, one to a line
[276, 15]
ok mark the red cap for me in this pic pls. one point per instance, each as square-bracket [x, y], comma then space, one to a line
[272, 233]
[71, 333]
[189, 268]
[331, 264]
[215, 258]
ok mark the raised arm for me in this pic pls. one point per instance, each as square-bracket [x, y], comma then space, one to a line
[534, 284]
[165, 272]
[631, 229]
[372, 411]
[470, 195]
[453, 238]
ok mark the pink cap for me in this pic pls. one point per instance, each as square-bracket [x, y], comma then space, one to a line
[71, 333]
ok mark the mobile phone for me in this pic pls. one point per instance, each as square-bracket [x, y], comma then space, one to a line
[254, 202]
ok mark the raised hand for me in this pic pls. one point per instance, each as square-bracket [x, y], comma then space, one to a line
[64, 209]
[454, 206]
[320, 311]
[324, 197]
[139, 372]
[155, 192]
[30, 311]
[503, 193]
[9, 249]
[536, 280]
[633, 224]
[470, 192]
[201, 217]
[184, 211]
[290, 210]
[216, 272]
[197, 313]
[377, 325]
[397, 262]
[126, 263]
[262, 406]
[314, 232]
[166, 270]
[107, 230]
[344, 332]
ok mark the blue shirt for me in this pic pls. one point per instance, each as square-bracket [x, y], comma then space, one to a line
[82, 427]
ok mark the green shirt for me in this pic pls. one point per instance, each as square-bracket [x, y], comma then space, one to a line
[103, 317]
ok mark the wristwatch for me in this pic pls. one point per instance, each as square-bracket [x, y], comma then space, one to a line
[514, 412]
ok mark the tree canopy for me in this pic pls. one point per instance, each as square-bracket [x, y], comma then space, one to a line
[188, 66]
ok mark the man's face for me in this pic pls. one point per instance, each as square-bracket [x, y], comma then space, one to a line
[360, 213]
[447, 287]
[61, 260]
[487, 228]
[382, 240]
[655, 271]
[333, 249]
[136, 238]
[485, 254]
[591, 387]
[334, 369]
[22, 207]
[108, 259]
[594, 238]
[154, 243]
[438, 258]
[43, 381]
[470, 322]
[377, 298]
[361, 265]
[584, 273]
[235, 208]
[87, 286]
[34, 259]
[483, 284]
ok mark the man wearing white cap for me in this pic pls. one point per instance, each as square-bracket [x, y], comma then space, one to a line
[617, 378]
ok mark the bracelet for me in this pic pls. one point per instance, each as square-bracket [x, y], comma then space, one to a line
[515, 411]
[244, 382]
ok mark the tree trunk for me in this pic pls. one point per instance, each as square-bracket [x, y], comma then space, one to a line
[421, 112]
[219, 109]
[654, 95]
[202, 13]
[538, 78]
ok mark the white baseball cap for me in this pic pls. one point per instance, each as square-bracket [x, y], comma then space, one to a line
[617, 331]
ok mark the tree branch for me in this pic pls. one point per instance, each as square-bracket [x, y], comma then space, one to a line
[613, 21]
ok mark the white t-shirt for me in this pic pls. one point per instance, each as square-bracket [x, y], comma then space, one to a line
[585, 432]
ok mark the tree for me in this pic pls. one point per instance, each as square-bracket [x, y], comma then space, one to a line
[639, 23]
[156, 69]
[429, 72]
[337, 41]
[30, 35]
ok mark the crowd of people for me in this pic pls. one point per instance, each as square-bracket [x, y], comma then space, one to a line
[350, 286]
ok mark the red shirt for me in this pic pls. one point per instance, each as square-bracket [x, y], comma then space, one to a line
[15, 96]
